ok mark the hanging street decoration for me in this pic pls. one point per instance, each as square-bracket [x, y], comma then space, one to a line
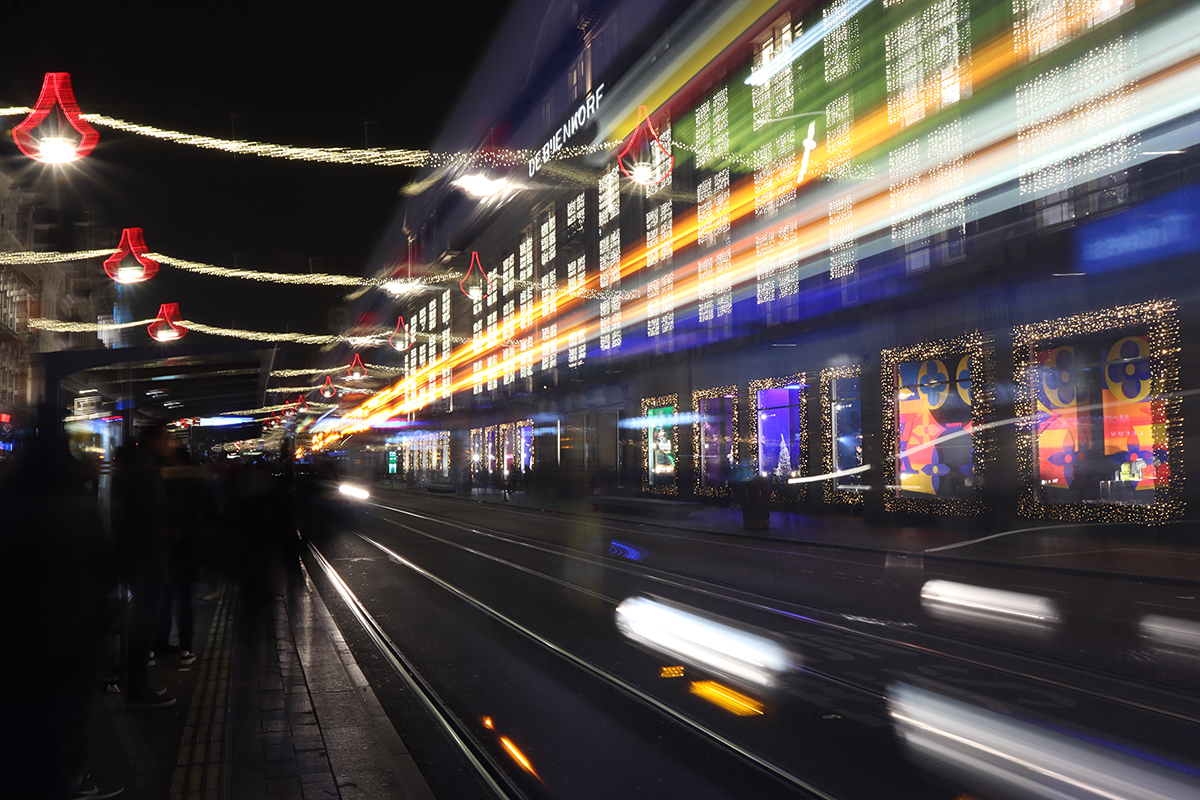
[475, 283]
[328, 389]
[301, 404]
[55, 132]
[357, 370]
[130, 264]
[644, 159]
[166, 326]
[401, 339]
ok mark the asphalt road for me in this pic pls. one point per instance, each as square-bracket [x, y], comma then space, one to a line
[503, 621]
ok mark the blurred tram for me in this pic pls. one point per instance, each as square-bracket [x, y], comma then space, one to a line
[933, 257]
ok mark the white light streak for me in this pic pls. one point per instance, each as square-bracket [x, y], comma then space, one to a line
[723, 649]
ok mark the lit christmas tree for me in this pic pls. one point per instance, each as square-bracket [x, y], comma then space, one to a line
[783, 469]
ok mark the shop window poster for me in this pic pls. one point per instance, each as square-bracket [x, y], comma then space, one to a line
[935, 447]
[1096, 421]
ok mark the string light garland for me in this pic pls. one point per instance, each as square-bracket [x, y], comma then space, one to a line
[374, 156]
[295, 338]
[977, 347]
[1159, 319]
[828, 376]
[699, 395]
[306, 389]
[250, 412]
[392, 285]
[296, 373]
[800, 381]
[667, 400]
[51, 257]
[319, 278]
[59, 326]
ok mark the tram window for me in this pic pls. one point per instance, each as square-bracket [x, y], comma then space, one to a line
[846, 422]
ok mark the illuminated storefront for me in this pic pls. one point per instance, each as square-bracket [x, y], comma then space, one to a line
[840, 180]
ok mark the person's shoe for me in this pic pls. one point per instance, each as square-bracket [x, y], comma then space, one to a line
[150, 662]
[88, 788]
[147, 697]
[187, 658]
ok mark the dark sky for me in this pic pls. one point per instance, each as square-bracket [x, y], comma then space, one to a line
[289, 73]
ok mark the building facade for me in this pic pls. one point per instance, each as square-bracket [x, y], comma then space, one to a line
[906, 256]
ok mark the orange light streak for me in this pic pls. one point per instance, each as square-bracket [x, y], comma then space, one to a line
[518, 756]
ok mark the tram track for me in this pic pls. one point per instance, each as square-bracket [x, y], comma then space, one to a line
[1036, 670]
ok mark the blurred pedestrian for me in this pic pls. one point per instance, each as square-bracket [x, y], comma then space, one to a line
[183, 481]
[63, 571]
[143, 544]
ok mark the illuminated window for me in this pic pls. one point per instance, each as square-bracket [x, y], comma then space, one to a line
[928, 62]
[1042, 25]
[610, 195]
[1116, 455]
[660, 292]
[712, 128]
[780, 432]
[577, 347]
[846, 425]
[1064, 146]
[576, 275]
[843, 245]
[661, 455]
[774, 98]
[576, 217]
[577, 78]
[610, 283]
[661, 160]
[550, 346]
[717, 439]
[840, 41]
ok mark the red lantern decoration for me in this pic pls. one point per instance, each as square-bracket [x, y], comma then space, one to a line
[328, 389]
[130, 264]
[51, 146]
[475, 283]
[301, 403]
[402, 339]
[643, 152]
[166, 327]
[357, 370]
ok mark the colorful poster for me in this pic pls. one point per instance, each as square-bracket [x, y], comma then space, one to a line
[934, 447]
[1138, 460]
[1062, 440]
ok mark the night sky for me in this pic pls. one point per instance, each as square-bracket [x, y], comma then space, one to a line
[286, 74]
